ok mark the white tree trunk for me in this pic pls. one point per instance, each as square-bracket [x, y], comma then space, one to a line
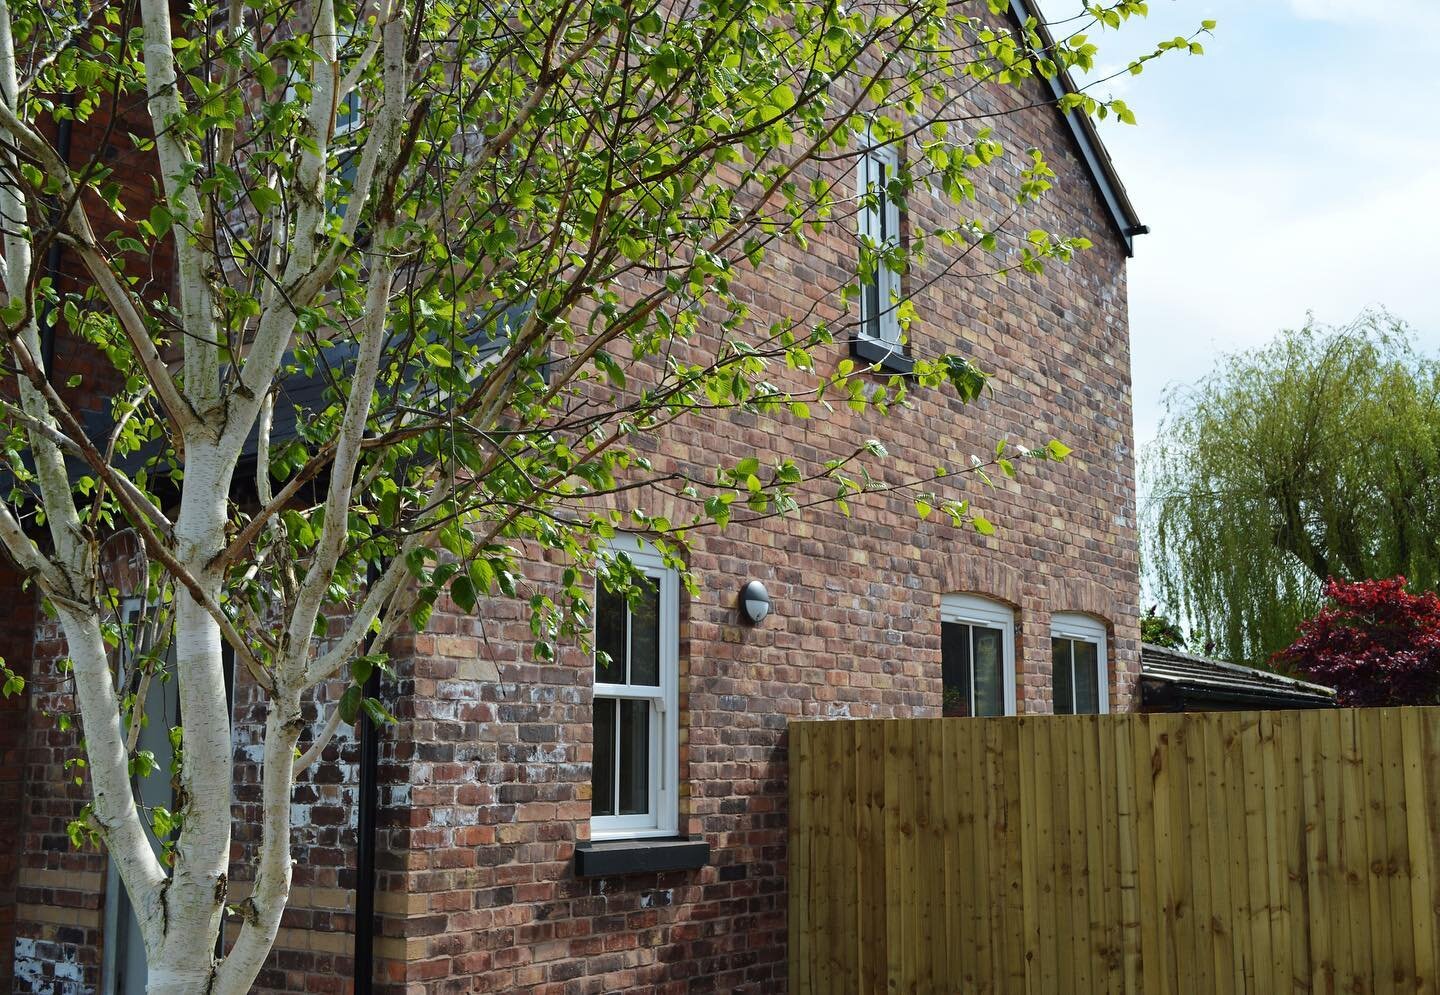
[181, 956]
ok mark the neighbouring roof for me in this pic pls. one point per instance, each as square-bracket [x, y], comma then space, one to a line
[1087, 141]
[1174, 681]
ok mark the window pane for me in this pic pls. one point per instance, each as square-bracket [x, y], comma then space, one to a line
[871, 290]
[634, 757]
[989, 671]
[955, 667]
[1064, 677]
[1087, 677]
[610, 611]
[602, 777]
[883, 202]
[645, 637]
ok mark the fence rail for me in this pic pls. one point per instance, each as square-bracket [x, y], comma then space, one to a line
[1206, 852]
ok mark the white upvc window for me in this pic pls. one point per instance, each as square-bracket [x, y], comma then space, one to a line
[637, 730]
[348, 115]
[1081, 671]
[879, 224]
[977, 655]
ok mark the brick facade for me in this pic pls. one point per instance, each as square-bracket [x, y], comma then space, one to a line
[499, 769]
[485, 782]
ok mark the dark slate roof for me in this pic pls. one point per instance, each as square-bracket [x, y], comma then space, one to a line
[1174, 681]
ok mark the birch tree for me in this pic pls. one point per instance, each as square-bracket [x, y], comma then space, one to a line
[504, 239]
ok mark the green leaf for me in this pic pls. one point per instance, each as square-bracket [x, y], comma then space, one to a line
[350, 704]
[377, 713]
[463, 593]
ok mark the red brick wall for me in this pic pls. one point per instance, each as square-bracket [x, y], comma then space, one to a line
[16, 635]
[59, 898]
[499, 766]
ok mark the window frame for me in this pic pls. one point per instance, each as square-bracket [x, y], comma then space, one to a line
[664, 816]
[1078, 627]
[874, 222]
[974, 609]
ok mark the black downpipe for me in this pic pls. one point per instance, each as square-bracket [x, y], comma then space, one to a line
[365, 859]
[54, 253]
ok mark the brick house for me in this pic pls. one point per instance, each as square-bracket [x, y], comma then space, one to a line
[547, 828]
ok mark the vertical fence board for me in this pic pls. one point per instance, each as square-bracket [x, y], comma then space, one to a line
[1150, 830]
[802, 936]
[1075, 926]
[1266, 852]
[1419, 835]
[1243, 907]
[1033, 899]
[1383, 959]
[1355, 869]
[979, 937]
[954, 844]
[1004, 738]
[895, 885]
[1052, 894]
[1289, 758]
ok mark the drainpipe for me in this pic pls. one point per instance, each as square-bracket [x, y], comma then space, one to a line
[365, 859]
[54, 254]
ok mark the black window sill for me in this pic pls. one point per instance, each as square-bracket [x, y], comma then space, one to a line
[891, 358]
[608, 858]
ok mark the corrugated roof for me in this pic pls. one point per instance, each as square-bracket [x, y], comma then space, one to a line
[1200, 678]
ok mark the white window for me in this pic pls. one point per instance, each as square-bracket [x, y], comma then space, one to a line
[637, 675]
[977, 656]
[347, 114]
[1077, 645]
[879, 228]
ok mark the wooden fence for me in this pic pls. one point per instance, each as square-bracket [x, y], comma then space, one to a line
[1199, 853]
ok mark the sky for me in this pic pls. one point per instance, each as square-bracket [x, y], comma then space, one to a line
[1293, 168]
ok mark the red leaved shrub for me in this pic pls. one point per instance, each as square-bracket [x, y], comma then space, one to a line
[1374, 642]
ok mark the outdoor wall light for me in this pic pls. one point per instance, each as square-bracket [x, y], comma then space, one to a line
[754, 602]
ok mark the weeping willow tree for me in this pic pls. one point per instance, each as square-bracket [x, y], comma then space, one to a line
[1316, 456]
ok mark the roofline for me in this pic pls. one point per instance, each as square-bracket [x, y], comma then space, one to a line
[1087, 141]
[1163, 692]
[1237, 668]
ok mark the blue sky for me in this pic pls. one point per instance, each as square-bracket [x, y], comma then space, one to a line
[1294, 167]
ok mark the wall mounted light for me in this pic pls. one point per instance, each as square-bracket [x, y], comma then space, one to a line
[754, 602]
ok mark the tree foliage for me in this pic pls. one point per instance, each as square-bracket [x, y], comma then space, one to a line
[1374, 642]
[1315, 456]
[507, 241]
[1159, 630]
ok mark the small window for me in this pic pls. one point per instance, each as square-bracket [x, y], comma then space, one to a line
[977, 656]
[637, 663]
[1077, 645]
[879, 229]
[348, 120]
[347, 114]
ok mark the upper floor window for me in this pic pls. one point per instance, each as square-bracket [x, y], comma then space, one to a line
[1077, 645]
[879, 229]
[637, 672]
[977, 656]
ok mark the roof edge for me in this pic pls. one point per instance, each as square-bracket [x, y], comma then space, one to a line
[1239, 669]
[1087, 140]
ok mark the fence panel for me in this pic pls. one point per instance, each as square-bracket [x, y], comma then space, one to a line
[1216, 852]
